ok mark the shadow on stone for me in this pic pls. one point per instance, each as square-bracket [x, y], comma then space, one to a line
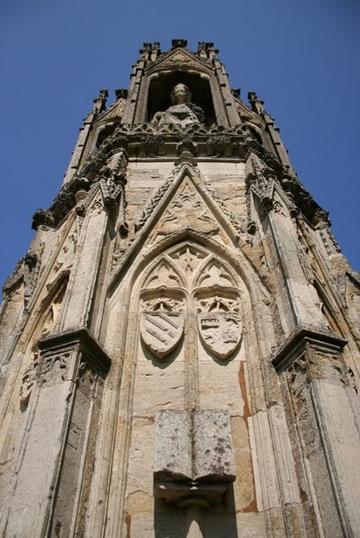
[216, 521]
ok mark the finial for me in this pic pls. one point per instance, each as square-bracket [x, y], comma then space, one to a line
[206, 50]
[256, 104]
[121, 93]
[150, 51]
[181, 43]
[100, 101]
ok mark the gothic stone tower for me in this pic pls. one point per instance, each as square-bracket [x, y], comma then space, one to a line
[180, 345]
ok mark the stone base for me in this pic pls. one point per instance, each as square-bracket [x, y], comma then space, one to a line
[191, 493]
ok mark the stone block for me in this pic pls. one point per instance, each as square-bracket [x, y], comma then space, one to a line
[212, 449]
[193, 456]
[173, 453]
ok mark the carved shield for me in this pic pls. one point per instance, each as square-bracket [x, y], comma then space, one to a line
[220, 332]
[161, 331]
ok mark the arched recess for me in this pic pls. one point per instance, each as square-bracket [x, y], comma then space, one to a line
[202, 82]
[201, 285]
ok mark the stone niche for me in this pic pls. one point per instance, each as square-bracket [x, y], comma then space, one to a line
[160, 88]
[193, 456]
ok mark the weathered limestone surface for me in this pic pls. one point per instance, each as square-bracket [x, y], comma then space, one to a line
[179, 347]
[174, 452]
[212, 448]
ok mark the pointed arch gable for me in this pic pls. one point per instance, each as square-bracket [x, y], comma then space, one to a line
[225, 276]
[163, 261]
[232, 253]
[237, 260]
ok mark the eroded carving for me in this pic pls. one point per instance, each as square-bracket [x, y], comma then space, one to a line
[182, 112]
[187, 210]
[215, 274]
[140, 220]
[32, 263]
[54, 367]
[163, 275]
[188, 257]
[161, 325]
[220, 325]
[28, 380]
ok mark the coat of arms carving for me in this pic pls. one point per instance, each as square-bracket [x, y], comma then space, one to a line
[161, 325]
[220, 326]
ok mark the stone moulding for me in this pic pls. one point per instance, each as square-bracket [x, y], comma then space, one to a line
[89, 347]
[297, 341]
[146, 141]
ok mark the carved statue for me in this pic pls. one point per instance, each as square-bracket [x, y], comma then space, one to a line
[182, 112]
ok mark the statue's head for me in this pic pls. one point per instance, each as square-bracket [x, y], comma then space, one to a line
[180, 94]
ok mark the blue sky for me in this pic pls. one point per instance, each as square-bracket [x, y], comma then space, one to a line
[301, 57]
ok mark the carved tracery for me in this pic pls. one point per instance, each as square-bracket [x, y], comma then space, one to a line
[186, 283]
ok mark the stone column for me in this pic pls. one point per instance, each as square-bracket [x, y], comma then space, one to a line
[298, 302]
[131, 104]
[79, 147]
[325, 406]
[98, 107]
[83, 279]
[226, 93]
[55, 460]
[258, 106]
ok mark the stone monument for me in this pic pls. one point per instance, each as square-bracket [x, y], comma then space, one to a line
[180, 344]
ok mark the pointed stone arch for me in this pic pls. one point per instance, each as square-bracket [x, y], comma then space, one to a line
[237, 260]
[163, 273]
[162, 373]
[215, 272]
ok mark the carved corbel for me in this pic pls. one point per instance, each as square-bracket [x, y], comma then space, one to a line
[43, 217]
[262, 185]
[186, 150]
[31, 272]
[62, 353]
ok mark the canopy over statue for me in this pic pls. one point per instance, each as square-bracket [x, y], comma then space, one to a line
[182, 112]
